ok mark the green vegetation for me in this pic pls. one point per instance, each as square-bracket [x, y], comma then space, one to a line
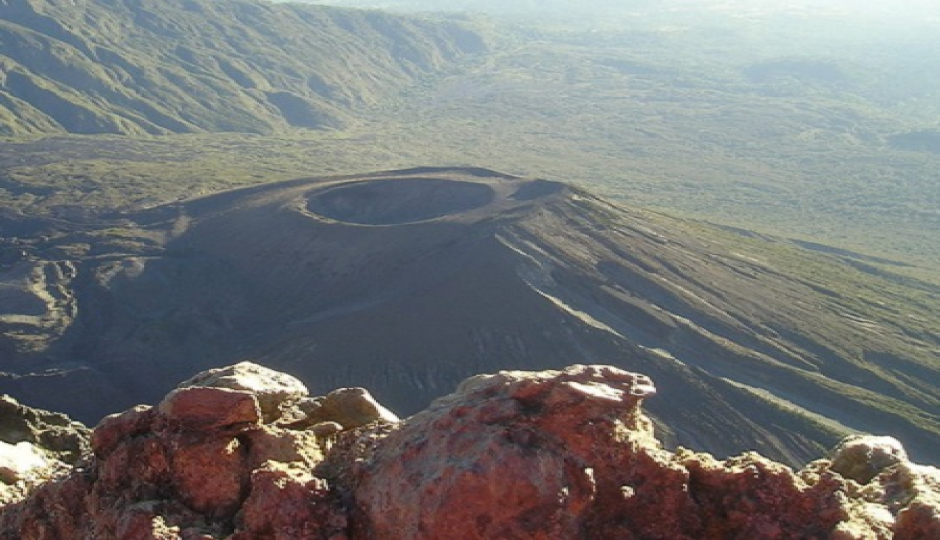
[818, 126]
[158, 67]
[786, 120]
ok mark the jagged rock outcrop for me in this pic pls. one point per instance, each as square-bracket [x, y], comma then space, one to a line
[212, 459]
[541, 455]
[569, 454]
[35, 446]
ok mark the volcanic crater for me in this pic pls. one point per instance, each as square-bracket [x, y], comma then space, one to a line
[409, 281]
[398, 201]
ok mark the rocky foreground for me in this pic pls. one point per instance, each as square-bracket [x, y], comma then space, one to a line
[244, 453]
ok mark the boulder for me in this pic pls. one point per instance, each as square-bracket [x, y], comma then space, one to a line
[208, 408]
[59, 436]
[35, 446]
[566, 454]
[210, 475]
[863, 457]
[117, 428]
[273, 390]
[290, 503]
[569, 454]
[206, 462]
[349, 407]
[326, 430]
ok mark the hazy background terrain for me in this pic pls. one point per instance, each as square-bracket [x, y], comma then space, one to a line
[816, 120]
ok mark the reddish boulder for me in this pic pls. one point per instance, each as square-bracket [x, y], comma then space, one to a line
[273, 390]
[206, 408]
[289, 503]
[517, 455]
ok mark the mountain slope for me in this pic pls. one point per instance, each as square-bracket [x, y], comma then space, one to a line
[524, 7]
[134, 67]
[406, 282]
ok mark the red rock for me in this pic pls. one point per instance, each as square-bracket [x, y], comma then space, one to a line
[137, 469]
[275, 391]
[118, 428]
[289, 503]
[206, 408]
[918, 521]
[211, 475]
[550, 455]
[511, 455]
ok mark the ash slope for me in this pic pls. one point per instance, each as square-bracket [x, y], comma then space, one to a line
[406, 282]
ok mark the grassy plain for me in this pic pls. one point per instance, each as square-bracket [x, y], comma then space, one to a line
[788, 125]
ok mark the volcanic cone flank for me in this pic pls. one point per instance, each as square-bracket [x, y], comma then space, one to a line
[406, 282]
